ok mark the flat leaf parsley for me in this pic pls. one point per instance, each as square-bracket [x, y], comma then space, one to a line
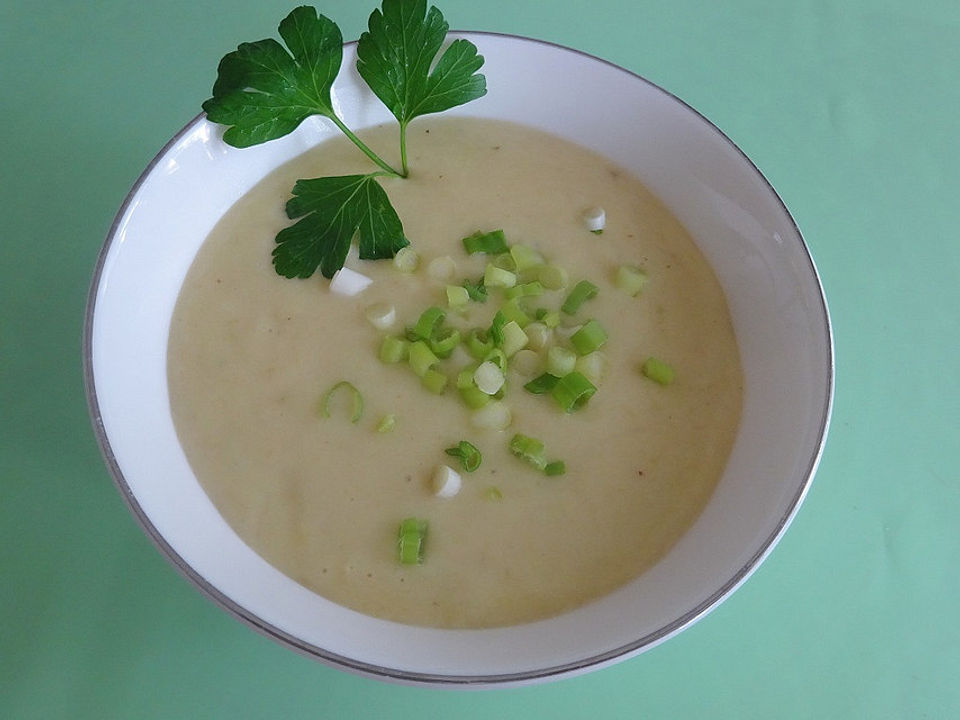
[333, 210]
[264, 91]
[395, 56]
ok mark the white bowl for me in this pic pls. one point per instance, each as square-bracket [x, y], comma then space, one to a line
[737, 219]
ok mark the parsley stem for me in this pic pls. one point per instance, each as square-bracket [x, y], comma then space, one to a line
[366, 150]
[403, 150]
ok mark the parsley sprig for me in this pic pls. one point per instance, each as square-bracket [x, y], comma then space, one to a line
[264, 91]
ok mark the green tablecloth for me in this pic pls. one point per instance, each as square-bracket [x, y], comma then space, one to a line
[849, 107]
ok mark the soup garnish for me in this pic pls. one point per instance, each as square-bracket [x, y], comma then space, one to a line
[264, 92]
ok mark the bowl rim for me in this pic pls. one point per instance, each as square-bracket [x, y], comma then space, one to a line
[398, 675]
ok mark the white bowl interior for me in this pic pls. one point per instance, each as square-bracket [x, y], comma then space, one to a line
[738, 221]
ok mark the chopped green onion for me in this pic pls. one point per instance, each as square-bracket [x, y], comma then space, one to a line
[468, 453]
[477, 291]
[630, 279]
[505, 261]
[525, 362]
[542, 384]
[538, 335]
[434, 381]
[551, 319]
[387, 423]
[572, 391]
[560, 361]
[411, 538]
[493, 416]
[496, 328]
[444, 342]
[525, 257]
[657, 370]
[528, 449]
[457, 296]
[590, 337]
[582, 291]
[592, 366]
[498, 357]
[557, 467]
[565, 331]
[512, 310]
[406, 260]
[465, 377]
[421, 358]
[530, 289]
[531, 451]
[429, 322]
[488, 377]
[478, 343]
[357, 412]
[514, 339]
[393, 349]
[553, 277]
[446, 481]
[494, 276]
[491, 243]
[473, 397]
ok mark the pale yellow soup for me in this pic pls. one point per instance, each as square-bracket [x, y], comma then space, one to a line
[252, 353]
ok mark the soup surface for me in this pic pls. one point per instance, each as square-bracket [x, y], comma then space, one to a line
[321, 498]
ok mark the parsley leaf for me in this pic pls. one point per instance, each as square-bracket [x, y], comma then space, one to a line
[332, 211]
[395, 55]
[264, 92]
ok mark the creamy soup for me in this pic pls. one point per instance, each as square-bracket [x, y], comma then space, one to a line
[251, 354]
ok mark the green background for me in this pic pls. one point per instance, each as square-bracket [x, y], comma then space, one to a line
[849, 107]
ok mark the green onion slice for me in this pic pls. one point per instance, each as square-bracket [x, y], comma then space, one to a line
[513, 310]
[411, 538]
[434, 381]
[588, 338]
[553, 277]
[491, 243]
[528, 449]
[478, 343]
[572, 391]
[525, 257]
[496, 328]
[444, 342]
[476, 291]
[470, 457]
[420, 358]
[542, 384]
[530, 289]
[658, 371]
[473, 397]
[498, 358]
[457, 296]
[393, 349]
[357, 400]
[556, 467]
[494, 276]
[429, 322]
[630, 279]
[582, 291]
